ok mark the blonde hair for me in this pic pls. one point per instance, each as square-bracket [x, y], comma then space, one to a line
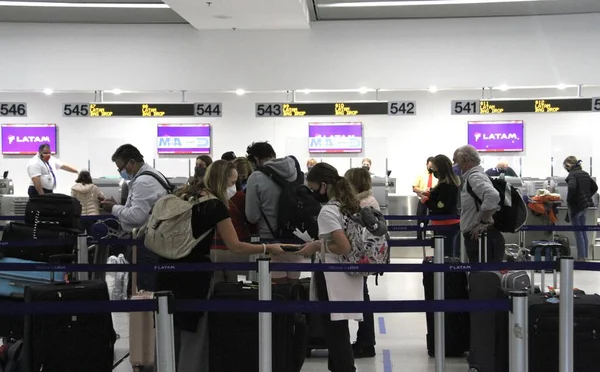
[243, 167]
[216, 178]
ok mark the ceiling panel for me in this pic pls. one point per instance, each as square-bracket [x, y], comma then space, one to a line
[525, 8]
[89, 15]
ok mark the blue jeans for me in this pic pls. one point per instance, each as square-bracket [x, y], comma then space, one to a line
[581, 237]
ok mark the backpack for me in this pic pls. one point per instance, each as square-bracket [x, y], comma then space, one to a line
[367, 233]
[513, 210]
[297, 208]
[168, 232]
[163, 182]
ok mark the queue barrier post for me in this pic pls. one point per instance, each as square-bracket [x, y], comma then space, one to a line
[82, 256]
[165, 339]
[439, 317]
[566, 312]
[265, 337]
[518, 330]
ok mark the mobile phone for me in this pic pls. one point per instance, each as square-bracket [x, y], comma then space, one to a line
[291, 247]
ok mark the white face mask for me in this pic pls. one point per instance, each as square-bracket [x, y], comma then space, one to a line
[231, 191]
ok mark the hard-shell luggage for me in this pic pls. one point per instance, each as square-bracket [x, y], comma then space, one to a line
[142, 338]
[16, 231]
[544, 333]
[516, 280]
[57, 209]
[314, 322]
[13, 283]
[68, 342]
[457, 325]
[233, 336]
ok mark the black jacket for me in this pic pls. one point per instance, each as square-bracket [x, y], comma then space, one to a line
[443, 200]
[581, 189]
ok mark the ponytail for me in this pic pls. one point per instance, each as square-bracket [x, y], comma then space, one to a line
[344, 193]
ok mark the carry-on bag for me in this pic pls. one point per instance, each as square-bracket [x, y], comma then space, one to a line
[314, 323]
[18, 232]
[233, 336]
[13, 283]
[56, 209]
[457, 325]
[68, 342]
[142, 339]
[542, 251]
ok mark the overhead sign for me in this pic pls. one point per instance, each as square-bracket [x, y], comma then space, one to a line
[212, 109]
[551, 105]
[13, 109]
[336, 109]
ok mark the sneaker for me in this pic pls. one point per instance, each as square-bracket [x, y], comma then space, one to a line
[363, 351]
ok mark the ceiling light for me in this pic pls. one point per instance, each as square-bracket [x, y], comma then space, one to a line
[48, 91]
[432, 89]
[305, 91]
[240, 92]
[44, 4]
[364, 90]
[115, 91]
[503, 87]
[366, 4]
[562, 86]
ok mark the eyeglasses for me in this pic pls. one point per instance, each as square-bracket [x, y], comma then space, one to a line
[123, 167]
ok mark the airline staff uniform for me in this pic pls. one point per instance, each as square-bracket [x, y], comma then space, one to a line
[45, 170]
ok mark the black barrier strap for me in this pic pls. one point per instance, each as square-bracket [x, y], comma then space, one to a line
[421, 218]
[131, 306]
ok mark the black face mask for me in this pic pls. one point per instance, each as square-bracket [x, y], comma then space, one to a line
[436, 174]
[199, 171]
[366, 167]
[321, 198]
[430, 170]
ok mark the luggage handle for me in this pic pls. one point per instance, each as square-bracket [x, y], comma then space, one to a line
[134, 274]
[555, 253]
[483, 246]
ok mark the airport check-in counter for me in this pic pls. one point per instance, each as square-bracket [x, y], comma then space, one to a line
[404, 205]
[382, 188]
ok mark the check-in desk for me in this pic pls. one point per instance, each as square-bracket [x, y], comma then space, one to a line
[404, 205]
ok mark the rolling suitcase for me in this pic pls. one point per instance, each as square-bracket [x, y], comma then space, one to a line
[16, 231]
[457, 325]
[68, 342]
[233, 337]
[142, 338]
[57, 209]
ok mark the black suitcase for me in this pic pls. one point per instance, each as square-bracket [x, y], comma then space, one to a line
[68, 342]
[314, 322]
[544, 333]
[11, 326]
[233, 337]
[58, 209]
[16, 231]
[457, 325]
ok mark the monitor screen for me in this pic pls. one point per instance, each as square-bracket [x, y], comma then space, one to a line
[25, 139]
[183, 139]
[496, 136]
[335, 137]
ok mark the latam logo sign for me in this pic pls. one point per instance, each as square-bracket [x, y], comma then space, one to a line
[335, 144]
[28, 139]
[183, 142]
[496, 136]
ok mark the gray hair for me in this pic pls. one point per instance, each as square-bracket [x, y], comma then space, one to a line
[468, 153]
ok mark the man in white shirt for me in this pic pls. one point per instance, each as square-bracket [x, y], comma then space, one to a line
[146, 186]
[41, 170]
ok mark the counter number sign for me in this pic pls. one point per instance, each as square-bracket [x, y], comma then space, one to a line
[13, 109]
[76, 110]
[596, 104]
[208, 109]
[264, 110]
[402, 108]
[465, 107]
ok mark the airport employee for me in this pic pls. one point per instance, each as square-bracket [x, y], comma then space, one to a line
[41, 170]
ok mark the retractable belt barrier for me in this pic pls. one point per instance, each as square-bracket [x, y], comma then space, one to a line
[164, 305]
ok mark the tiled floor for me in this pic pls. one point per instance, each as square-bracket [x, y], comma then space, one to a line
[402, 347]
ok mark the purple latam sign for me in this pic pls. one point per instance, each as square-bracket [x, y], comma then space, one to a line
[496, 136]
[23, 139]
[334, 137]
[183, 139]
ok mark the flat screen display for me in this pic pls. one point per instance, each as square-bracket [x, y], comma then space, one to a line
[496, 136]
[25, 139]
[335, 137]
[183, 139]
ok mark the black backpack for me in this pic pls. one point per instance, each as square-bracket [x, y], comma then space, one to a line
[297, 208]
[513, 210]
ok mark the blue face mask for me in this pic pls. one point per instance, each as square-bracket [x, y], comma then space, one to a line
[457, 170]
[125, 175]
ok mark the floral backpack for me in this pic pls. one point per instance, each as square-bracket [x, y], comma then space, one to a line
[367, 233]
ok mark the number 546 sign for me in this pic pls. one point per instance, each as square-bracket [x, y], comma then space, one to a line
[13, 109]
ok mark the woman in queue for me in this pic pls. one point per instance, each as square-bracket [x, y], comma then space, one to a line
[443, 200]
[237, 212]
[191, 333]
[340, 199]
[364, 347]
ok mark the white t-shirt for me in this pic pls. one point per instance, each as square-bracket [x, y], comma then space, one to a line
[340, 285]
[45, 170]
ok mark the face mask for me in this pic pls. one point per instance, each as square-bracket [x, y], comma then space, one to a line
[430, 170]
[231, 191]
[457, 170]
[309, 168]
[199, 171]
[45, 157]
[436, 174]
[125, 175]
[501, 170]
[366, 167]
[321, 198]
